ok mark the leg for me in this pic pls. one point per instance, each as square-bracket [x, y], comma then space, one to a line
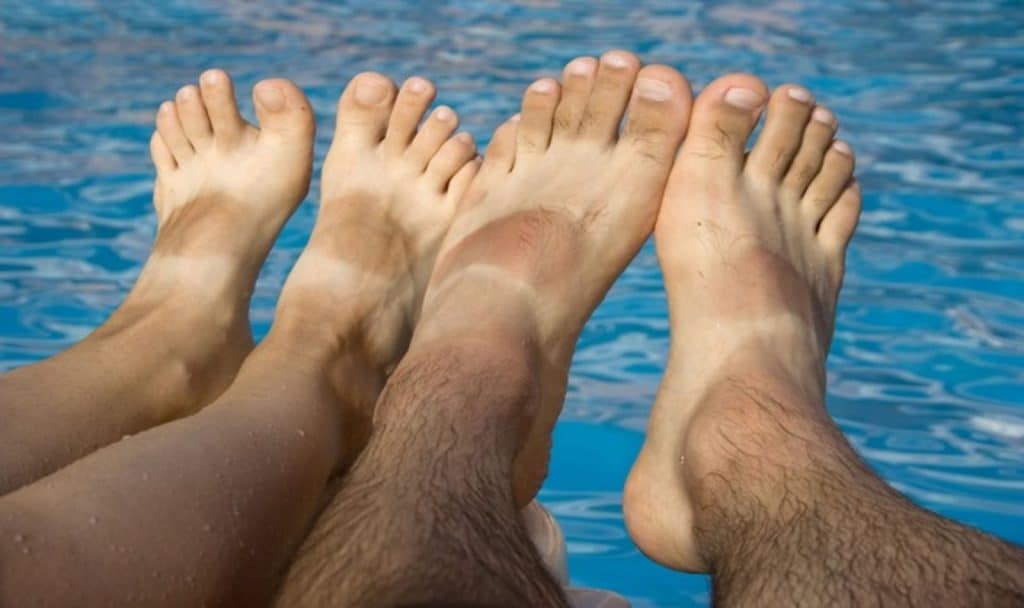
[224, 189]
[743, 473]
[429, 513]
[207, 509]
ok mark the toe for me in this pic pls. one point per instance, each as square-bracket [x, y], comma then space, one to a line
[193, 116]
[830, 182]
[535, 125]
[788, 112]
[603, 112]
[817, 138]
[414, 98]
[460, 183]
[723, 117]
[837, 226]
[218, 95]
[169, 126]
[432, 135]
[283, 110]
[452, 156]
[163, 160]
[364, 110]
[658, 114]
[578, 80]
[501, 151]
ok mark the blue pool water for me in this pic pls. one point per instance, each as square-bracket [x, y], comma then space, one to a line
[927, 368]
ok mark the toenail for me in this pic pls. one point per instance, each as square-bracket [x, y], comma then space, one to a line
[416, 85]
[653, 90]
[515, 118]
[843, 148]
[616, 60]
[186, 93]
[584, 66]
[799, 94]
[211, 77]
[543, 86]
[823, 115]
[465, 138]
[370, 92]
[165, 107]
[744, 99]
[270, 96]
[444, 114]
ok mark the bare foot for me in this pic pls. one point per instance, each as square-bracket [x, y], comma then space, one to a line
[752, 252]
[223, 192]
[389, 192]
[561, 205]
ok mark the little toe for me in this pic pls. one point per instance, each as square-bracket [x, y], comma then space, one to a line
[535, 125]
[461, 181]
[603, 112]
[816, 140]
[193, 116]
[435, 131]
[723, 117]
[452, 156]
[283, 110]
[501, 151]
[218, 94]
[788, 112]
[830, 182]
[364, 110]
[414, 98]
[838, 225]
[163, 160]
[169, 126]
[578, 80]
[657, 117]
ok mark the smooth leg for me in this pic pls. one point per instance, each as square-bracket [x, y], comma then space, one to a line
[206, 510]
[224, 189]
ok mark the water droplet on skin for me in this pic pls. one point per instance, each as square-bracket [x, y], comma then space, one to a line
[92, 521]
[302, 433]
[207, 527]
[25, 550]
[145, 477]
[18, 538]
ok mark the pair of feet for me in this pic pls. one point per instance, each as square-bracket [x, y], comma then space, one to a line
[415, 233]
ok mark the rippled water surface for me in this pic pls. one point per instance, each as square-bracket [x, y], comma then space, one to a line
[927, 368]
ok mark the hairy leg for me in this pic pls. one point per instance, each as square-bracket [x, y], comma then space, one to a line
[224, 189]
[429, 513]
[207, 509]
[743, 472]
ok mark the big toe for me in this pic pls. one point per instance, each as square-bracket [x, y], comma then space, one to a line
[724, 115]
[364, 110]
[657, 119]
[283, 110]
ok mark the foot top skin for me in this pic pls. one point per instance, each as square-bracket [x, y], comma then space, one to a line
[752, 248]
[567, 194]
[391, 183]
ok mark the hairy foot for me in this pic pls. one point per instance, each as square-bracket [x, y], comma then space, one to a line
[224, 190]
[561, 205]
[752, 249]
[389, 192]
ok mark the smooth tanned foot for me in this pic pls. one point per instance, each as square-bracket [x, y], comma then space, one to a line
[223, 192]
[561, 205]
[389, 192]
[752, 250]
